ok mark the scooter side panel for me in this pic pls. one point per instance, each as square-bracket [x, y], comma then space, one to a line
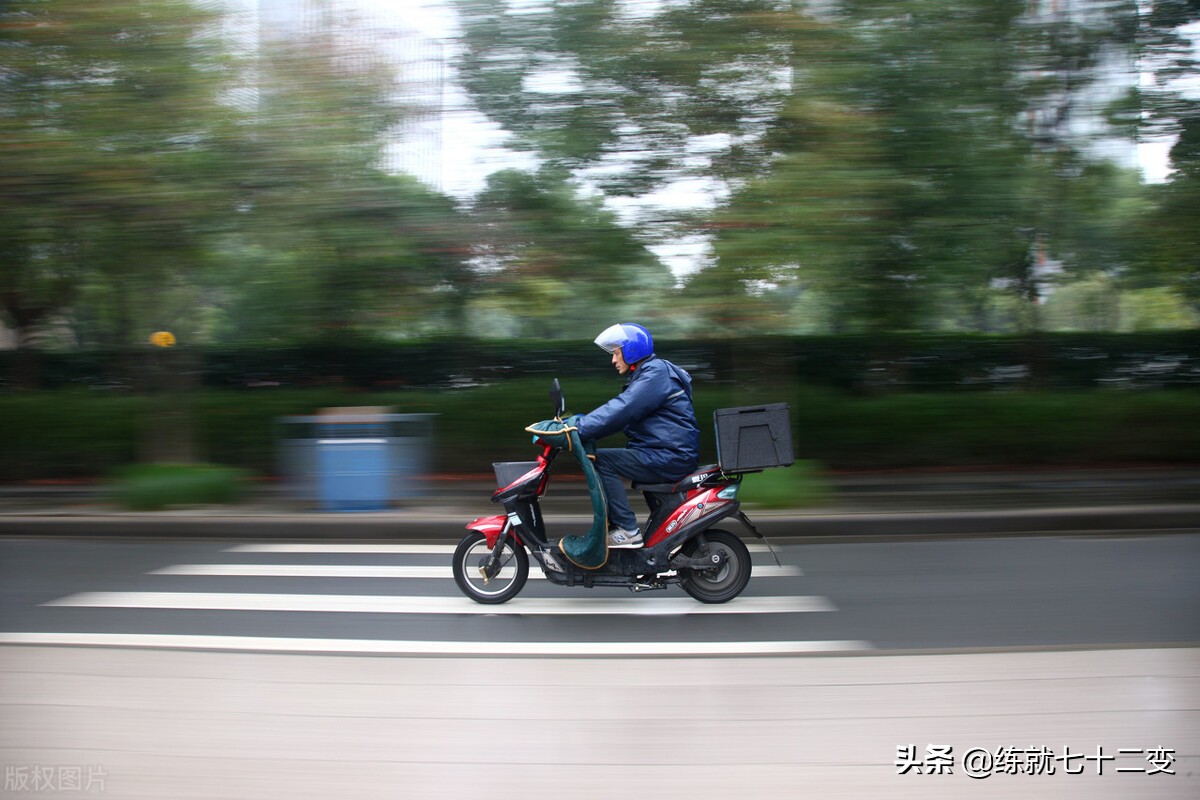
[686, 532]
[695, 508]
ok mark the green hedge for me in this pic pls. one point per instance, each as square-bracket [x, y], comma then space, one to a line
[72, 434]
[1018, 428]
[919, 362]
[152, 487]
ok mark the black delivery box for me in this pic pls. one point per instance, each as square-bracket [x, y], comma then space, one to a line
[753, 437]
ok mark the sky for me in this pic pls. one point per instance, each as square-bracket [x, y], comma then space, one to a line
[471, 145]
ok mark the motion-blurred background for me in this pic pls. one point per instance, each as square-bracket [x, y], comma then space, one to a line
[948, 232]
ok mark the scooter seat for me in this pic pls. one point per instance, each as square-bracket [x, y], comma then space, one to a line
[679, 486]
[656, 488]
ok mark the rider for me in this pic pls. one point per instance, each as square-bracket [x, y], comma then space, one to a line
[654, 409]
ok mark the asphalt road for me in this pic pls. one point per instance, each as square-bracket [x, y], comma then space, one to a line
[1057, 666]
[939, 595]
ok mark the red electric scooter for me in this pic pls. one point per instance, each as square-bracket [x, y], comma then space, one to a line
[491, 563]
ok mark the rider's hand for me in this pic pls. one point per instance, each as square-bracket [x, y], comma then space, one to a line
[551, 431]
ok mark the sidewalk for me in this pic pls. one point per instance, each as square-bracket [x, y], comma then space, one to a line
[241, 726]
[860, 505]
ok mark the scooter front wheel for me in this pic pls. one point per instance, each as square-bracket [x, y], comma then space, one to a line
[720, 584]
[472, 555]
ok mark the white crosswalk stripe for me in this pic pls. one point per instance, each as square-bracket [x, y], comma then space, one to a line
[190, 590]
[432, 648]
[417, 604]
[325, 549]
[374, 571]
[379, 549]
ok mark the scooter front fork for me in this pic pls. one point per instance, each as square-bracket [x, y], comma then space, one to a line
[488, 569]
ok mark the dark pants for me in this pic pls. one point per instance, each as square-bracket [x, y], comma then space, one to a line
[616, 465]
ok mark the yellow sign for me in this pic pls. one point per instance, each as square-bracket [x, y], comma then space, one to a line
[162, 339]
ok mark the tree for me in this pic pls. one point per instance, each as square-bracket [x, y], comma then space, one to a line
[370, 255]
[326, 243]
[904, 174]
[155, 177]
[557, 263]
[646, 94]
[875, 154]
[1167, 246]
[1169, 252]
[635, 99]
[110, 115]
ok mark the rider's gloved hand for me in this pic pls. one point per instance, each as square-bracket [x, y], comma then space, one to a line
[553, 432]
[573, 422]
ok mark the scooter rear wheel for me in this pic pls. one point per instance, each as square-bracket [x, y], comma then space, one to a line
[725, 582]
[472, 553]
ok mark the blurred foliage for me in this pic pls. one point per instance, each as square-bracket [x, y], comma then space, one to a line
[155, 177]
[108, 135]
[69, 434]
[1166, 245]
[154, 487]
[880, 166]
[899, 169]
[631, 86]
[84, 434]
[864, 167]
[801, 485]
[545, 253]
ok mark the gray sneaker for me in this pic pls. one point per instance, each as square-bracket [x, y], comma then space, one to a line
[618, 537]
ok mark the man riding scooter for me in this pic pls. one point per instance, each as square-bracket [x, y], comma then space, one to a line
[654, 410]
[680, 544]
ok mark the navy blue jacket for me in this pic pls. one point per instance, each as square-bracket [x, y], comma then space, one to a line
[655, 411]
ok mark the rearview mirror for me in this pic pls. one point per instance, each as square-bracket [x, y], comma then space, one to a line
[556, 397]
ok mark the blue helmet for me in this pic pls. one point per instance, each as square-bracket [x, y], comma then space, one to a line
[634, 340]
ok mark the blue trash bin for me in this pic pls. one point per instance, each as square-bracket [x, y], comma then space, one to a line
[355, 459]
[353, 473]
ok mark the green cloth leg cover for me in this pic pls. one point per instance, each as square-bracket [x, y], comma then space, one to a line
[588, 550]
